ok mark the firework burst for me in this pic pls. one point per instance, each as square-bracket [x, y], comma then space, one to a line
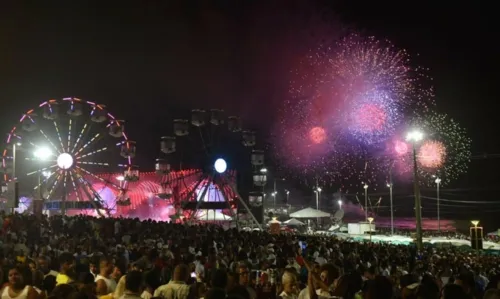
[444, 152]
[346, 101]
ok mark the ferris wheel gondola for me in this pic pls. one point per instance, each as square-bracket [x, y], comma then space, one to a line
[208, 191]
[59, 151]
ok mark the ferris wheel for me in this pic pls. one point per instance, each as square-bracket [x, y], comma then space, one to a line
[210, 151]
[59, 151]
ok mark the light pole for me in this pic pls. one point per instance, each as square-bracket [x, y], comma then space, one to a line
[366, 201]
[274, 199]
[263, 172]
[14, 150]
[438, 181]
[475, 223]
[414, 137]
[370, 220]
[340, 204]
[42, 154]
[392, 207]
[318, 194]
[287, 192]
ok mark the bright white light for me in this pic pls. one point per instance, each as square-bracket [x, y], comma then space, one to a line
[438, 180]
[46, 173]
[120, 178]
[274, 193]
[64, 161]
[220, 165]
[414, 136]
[319, 189]
[263, 170]
[340, 202]
[43, 153]
[365, 186]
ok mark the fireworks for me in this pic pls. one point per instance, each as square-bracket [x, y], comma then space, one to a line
[348, 101]
[431, 154]
[444, 151]
[372, 118]
[317, 135]
[364, 65]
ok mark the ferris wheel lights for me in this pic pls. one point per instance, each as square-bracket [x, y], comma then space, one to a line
[128, 149]
[51, 110]
[116, 128]
[99, 114]
[220, 165]
[64, 161]
[43, 153]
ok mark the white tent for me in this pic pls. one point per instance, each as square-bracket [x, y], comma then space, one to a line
[309, 213]
[294, 222]
[212, 215]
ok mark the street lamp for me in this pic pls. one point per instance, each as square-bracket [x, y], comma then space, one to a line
[274, 199]
[366, 201]
[392, 207]
[370, 220]
[318, 195]
[475, 223]
[414, 137]
[263, 170]
[340, 204]
[42, 153]
[438, 181]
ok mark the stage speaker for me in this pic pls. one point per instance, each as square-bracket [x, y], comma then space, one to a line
[476, 238]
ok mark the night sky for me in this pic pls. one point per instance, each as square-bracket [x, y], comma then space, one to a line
[151, 62]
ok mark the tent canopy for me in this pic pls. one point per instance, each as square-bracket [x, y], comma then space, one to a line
[309, 213]
[294, 221]
[212, 215]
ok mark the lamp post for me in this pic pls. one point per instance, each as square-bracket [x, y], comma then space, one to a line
[287, 192]
[366, 201]
[318, 195]
[392, 207]
[14, 150]
[340, 204]
[414, 137]
[370, 220]
[475, 223]
[438, 181]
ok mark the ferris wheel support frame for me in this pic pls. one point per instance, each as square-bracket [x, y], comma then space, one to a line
[182, 129]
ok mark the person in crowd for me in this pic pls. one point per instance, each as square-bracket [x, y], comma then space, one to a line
[66, 270]
[133, 286]
[244, 279]
[177, 288]
[104, 283]
[17, 286]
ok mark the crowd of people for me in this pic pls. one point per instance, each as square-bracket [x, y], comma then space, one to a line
[85, 257]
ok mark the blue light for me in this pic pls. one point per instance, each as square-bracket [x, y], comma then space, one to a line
[220, 165]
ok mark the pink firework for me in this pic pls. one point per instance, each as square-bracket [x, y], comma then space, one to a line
[432, 154]
[369, 118]
[317, 135]
[401, 148]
